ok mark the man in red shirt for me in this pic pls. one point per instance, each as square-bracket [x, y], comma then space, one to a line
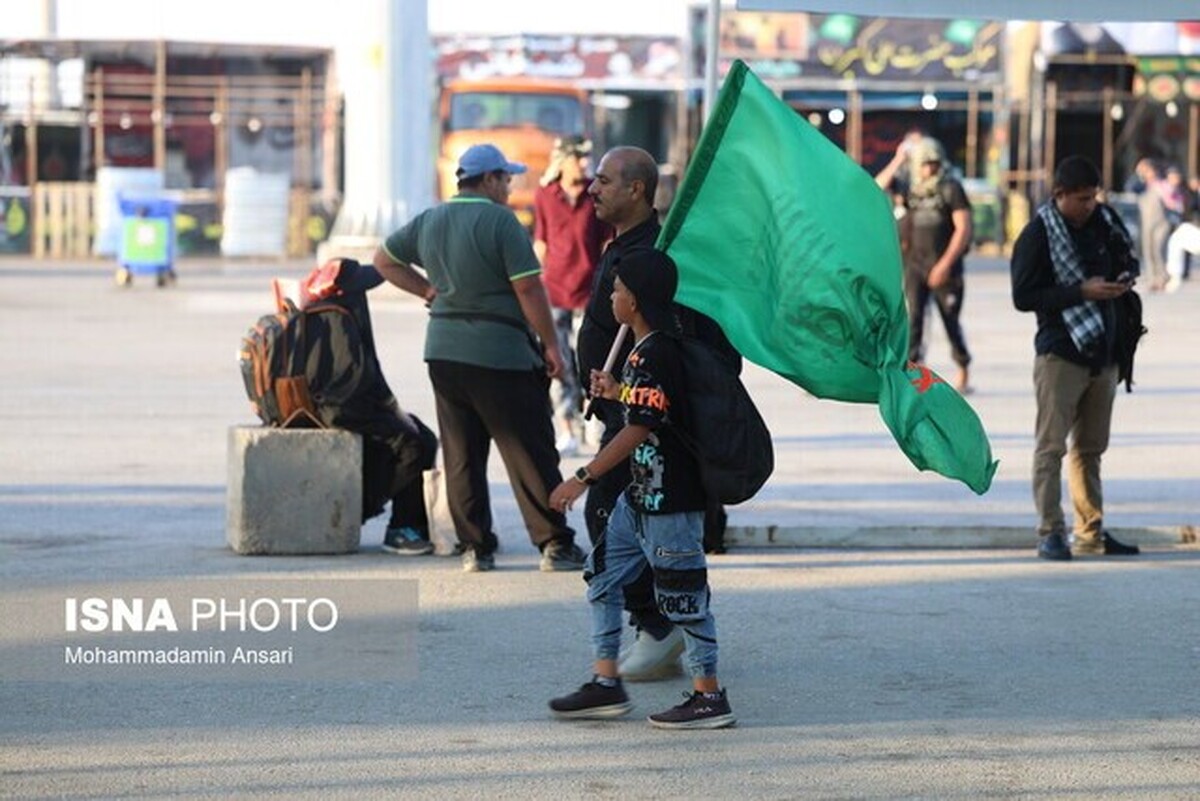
[568, 238]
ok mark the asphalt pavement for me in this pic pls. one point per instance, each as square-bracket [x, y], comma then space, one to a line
[885, 633]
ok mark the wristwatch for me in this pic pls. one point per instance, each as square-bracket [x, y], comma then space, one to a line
[584, 477]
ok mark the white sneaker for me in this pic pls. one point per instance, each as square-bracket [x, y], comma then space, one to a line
[649, 659]
[567, 445]
[1173, 284]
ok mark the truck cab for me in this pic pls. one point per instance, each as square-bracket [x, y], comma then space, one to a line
[520, 116]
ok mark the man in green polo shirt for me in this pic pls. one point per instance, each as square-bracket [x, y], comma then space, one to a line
[474, 265]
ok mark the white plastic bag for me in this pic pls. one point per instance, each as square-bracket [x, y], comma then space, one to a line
[437, 508]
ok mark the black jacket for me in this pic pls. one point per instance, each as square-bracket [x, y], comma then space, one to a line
[599, 327]
[1102, 252]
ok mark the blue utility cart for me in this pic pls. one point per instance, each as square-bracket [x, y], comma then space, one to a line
[147, 239]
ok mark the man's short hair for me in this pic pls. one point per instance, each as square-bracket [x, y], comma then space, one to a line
[638, 165]
[1075, 173]
[476, 181]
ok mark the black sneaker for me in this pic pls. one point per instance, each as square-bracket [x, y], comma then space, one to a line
[406, 541]
[1107, 545]
[557, 556]
[593, 701]
[1053, 546]
[697, 712]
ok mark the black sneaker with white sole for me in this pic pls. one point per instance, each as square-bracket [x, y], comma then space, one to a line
[593, 701]
[699, 711]
[559, 556]
[406, 541]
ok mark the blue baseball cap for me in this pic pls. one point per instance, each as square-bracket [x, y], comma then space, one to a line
[482, 159]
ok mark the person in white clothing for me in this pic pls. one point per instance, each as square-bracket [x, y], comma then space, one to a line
[1185, 239]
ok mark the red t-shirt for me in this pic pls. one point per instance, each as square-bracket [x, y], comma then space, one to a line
[574, 239]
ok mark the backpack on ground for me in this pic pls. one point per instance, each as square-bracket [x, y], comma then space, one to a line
[728, 436]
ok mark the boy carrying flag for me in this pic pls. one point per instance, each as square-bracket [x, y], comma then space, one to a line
[659, 520]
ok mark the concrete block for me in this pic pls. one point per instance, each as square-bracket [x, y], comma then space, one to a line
[295, 491]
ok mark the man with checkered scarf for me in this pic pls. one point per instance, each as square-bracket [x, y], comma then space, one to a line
[1070, 265]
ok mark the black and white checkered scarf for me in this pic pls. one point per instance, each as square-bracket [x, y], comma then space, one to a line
[1085, 322]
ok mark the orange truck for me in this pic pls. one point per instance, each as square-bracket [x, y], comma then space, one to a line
[521, 116]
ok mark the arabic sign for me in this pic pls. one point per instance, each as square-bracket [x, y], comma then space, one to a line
[1166, 78]
[845, 46]
[862, 47]
[1094, 10]
[566, 57]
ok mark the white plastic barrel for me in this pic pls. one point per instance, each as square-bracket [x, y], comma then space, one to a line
[256, 213]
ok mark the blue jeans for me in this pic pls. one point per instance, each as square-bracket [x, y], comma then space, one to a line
[673, 546]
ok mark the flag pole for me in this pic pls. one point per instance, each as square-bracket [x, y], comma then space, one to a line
[618, 341]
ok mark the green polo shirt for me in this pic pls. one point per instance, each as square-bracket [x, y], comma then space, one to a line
[471, 250]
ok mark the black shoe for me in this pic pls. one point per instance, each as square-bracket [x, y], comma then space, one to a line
[406, 541]
[697, 712]
[1054, 546]
[593, 701]
[1107, 545]
[558, 555]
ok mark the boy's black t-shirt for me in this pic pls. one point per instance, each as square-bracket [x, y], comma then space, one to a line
[666, 478]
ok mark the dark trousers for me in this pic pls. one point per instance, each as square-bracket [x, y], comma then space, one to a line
[393, 469]
[475, 407]
[601, 498]
[949, 300]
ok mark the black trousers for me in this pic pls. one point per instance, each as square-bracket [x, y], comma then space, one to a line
[393, 469]
[949, 300]
[477, 406]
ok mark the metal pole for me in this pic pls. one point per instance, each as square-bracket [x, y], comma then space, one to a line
[31, 140]
[972, 153]
[50, 67]
[331, 133]
[221, 140]
[160, 106]
[31, 176]
[712, 58]
[1051, 130]
[1107, 143]
[854, 126]
[1023, 133]
[1194, 140]
[98, 157]
[1037, 133]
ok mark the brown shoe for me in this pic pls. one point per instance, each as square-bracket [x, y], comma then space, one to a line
[961, 384]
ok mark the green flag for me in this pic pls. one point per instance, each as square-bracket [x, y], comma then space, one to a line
[792, 248]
